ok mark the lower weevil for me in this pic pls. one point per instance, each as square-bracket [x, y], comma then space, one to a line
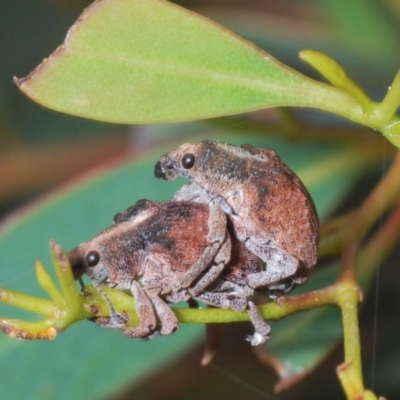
[148, 250]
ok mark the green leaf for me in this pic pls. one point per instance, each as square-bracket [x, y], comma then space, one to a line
[147, 61]
[70, 366]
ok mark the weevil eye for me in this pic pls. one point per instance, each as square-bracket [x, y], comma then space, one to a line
[188, 160]
[92, 258]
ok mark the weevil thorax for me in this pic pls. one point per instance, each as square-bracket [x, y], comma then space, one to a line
[113, 257]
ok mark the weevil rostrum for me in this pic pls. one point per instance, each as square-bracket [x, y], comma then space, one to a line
[149, 249]
[268, 206]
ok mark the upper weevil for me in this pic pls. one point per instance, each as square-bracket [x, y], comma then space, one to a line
[269, 207]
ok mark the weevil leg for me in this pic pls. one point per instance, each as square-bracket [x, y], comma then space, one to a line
[106, 322]
[217, 233]
[212, 274]
[199, 266]
[114, 319]
[223, 300]
[144, 308]
[280, 288]
[216, 237]
[262, 329]
[280, 265]
[145, 312]
[240, 303]
[191, 192]
[221, 260]
[169, 322]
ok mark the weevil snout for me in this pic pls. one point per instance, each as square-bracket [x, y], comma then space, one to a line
[77, 263]
[158, 171]
[164, 169]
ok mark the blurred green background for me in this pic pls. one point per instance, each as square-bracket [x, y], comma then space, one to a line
[41, 150]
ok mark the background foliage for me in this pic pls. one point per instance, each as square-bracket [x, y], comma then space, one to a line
[40, 148]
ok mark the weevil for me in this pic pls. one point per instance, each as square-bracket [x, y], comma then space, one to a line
[270, 209]
[148, 250]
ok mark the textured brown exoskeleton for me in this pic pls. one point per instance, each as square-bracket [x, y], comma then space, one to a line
[148, 250]
[267, 204]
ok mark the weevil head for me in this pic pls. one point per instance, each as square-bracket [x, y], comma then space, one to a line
[188, 160]
[115, 256]
[213, 166]
[88, 259]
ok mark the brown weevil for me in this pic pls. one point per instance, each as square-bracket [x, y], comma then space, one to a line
[148, 250]
[268, 206]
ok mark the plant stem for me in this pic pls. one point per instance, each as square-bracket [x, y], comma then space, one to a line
[27, 302]
[348, 297]
[332, 235]
[381, 198]
[379, 246]
[293, 129]
[389, 105]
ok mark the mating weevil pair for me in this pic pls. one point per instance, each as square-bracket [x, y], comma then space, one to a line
[244, 222]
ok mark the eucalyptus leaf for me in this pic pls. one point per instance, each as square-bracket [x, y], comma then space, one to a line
[142, 61]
